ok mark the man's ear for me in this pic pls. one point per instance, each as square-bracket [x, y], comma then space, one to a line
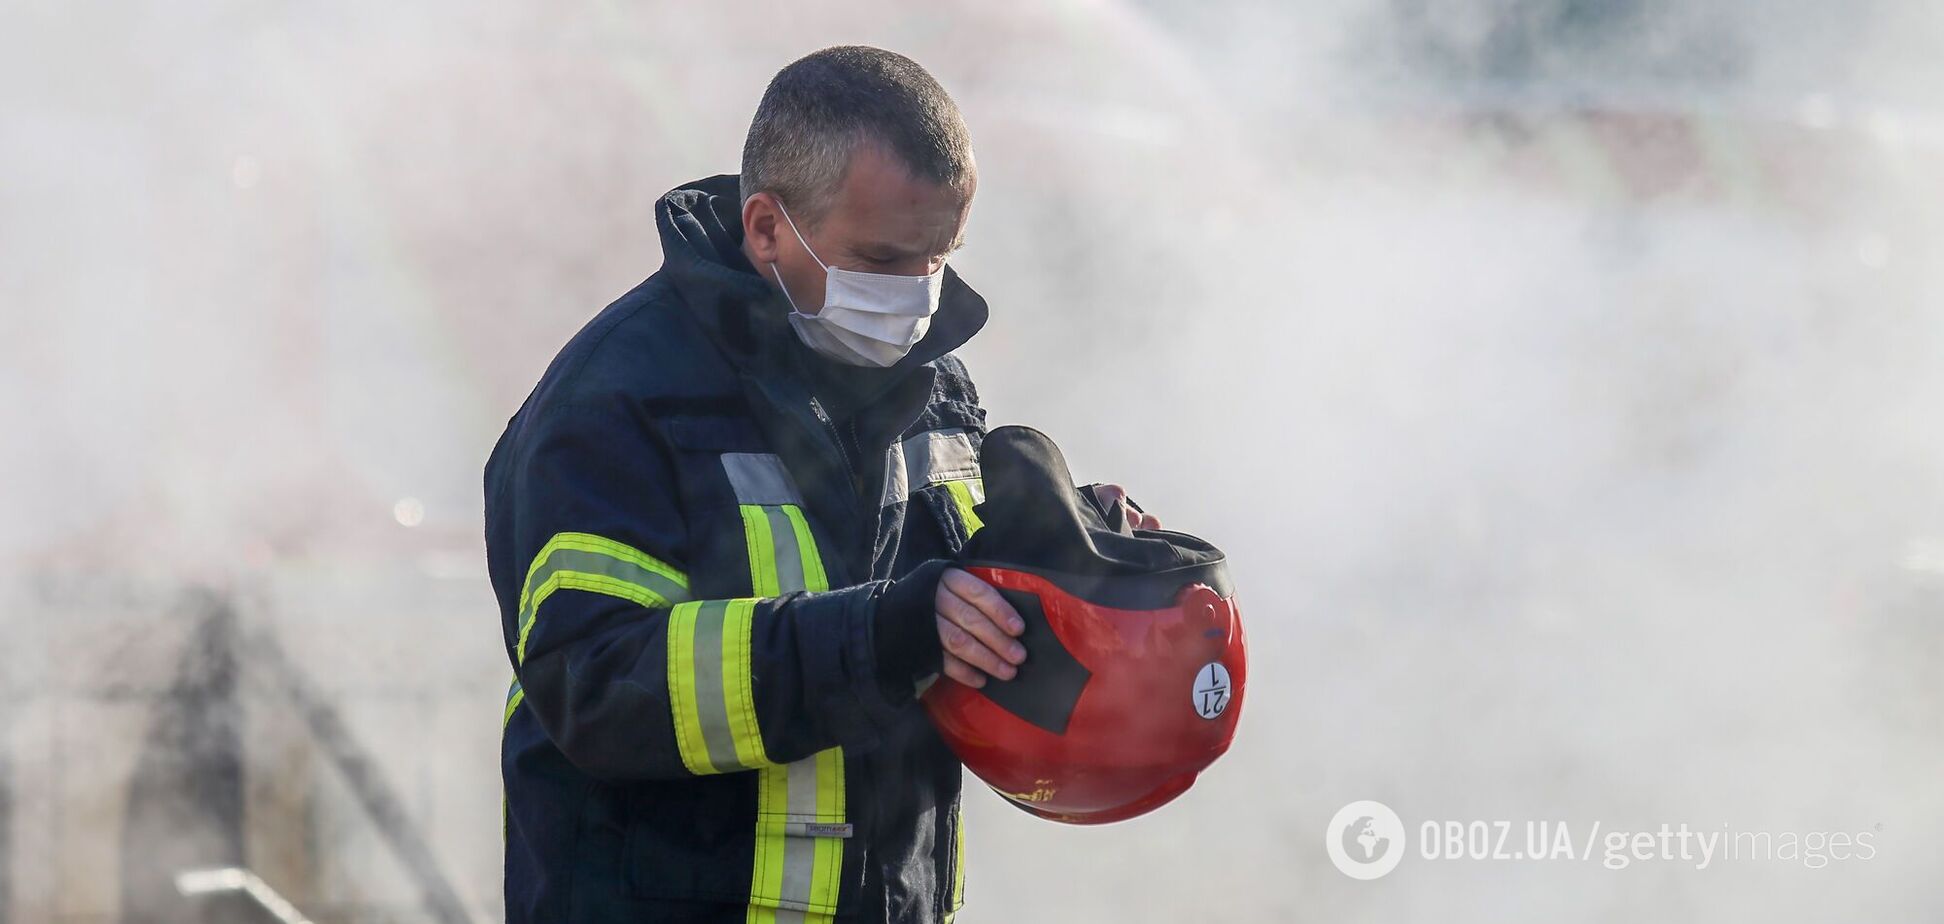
[760, 220]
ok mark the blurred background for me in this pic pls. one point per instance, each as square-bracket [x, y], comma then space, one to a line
[1562, 376]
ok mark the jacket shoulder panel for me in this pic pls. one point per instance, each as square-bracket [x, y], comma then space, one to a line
[643, 346]
[954, 400]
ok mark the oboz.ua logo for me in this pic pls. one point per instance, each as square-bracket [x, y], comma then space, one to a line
[1365, 839]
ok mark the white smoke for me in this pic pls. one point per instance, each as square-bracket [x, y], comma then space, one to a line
[1560, 377]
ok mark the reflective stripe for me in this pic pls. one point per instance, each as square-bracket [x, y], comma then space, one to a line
[966, 493]
[583, 561]
[958, 858]
[926, 459]
[797, 869]
[760, 478]
[710, 691]
[782, 556]
[897, 483]
[800, 832]
[762, 551]
[940, 455]
[811, 573]
[514, 697]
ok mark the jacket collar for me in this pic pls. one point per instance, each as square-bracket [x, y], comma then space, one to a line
[747, 316]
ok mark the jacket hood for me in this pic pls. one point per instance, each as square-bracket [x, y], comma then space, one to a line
[744, 313]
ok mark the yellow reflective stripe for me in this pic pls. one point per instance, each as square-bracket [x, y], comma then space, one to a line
[962, 496]
[797, 871]
[581, 580]
[514, 697]
[583, 561]
[776, 557]
[710, 691]
[958, 856]
[681, 690]
[766, 875]
[827, 878]
[738, 687]
[588, 542]
[762, 551]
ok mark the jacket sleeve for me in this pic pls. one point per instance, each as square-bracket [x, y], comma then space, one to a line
[629, 676]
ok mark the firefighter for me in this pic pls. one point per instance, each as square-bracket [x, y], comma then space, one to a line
[719, 531]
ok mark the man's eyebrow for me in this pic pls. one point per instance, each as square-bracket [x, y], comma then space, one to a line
[892, 251]
[885, 249]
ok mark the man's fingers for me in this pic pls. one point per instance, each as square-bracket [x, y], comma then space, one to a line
[1110, 494]
[979, 627]
[962, 672]
[983, 598]
[1113, 495]
[975, 623]
[958, 641]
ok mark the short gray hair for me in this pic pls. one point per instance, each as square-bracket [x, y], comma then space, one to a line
[819, 108]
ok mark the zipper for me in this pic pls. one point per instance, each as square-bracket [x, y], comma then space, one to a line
[857, 476]
[850, 469]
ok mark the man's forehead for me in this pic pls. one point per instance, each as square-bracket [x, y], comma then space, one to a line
[882, 204]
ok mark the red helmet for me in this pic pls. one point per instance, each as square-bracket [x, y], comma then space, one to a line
[1136, 661]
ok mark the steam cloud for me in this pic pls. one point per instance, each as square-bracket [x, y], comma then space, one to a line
[1561, 376]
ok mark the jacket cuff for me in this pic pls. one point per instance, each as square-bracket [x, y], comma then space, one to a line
[905, 634]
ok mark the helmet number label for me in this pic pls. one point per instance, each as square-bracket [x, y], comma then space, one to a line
[1211, 690]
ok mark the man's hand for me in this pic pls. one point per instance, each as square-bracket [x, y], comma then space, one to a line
[976, 626]
[1112, 495]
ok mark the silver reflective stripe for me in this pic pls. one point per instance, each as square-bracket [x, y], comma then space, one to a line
[799, 855]
[789, 558]
[608, 566]
[710, 706]
[895, 484]
[760, 478]
[939, 455]
[929, 458]
[799, 852]
[802, 805]
[763, 485]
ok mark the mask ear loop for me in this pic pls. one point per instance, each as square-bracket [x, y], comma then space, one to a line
[806, 249]
[799, 236]
[786, 290]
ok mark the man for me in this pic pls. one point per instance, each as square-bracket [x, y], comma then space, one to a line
[719, 530]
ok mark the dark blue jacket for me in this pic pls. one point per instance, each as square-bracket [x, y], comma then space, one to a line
[691, 527]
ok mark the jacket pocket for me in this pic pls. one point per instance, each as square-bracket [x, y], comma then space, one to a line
[714, 433]
[698, 840]
[691, 840]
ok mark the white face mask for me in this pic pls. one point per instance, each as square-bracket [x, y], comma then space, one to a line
[868, 319]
